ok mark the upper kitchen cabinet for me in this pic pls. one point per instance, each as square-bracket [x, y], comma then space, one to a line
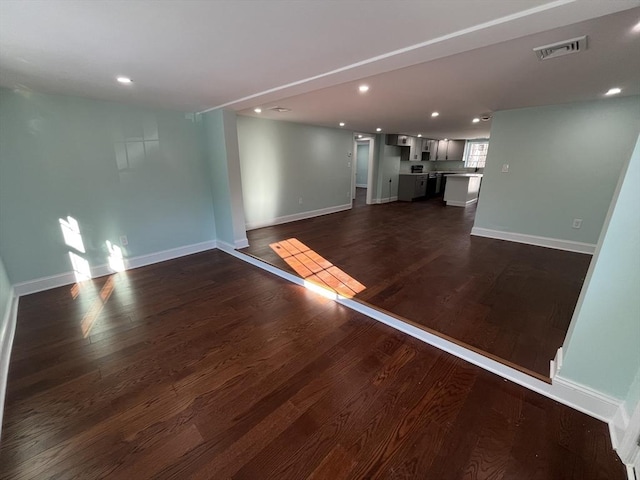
[451, 150]
[399, 140]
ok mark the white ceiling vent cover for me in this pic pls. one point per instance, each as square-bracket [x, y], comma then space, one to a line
[566, 47]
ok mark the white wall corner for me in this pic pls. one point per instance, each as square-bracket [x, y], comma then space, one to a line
[7, 332]
[556, 243]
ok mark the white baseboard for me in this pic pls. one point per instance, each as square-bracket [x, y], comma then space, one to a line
[242, 243]
[361, 185]
[67, 278]
[557, 243]
[455, 203]
[7, 332]
[297, 216]
[384, 200]
[556, 364]
[569, 393]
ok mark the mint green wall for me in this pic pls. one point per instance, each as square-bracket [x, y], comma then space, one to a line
[362, 163]
[564, 163]
[602, 348]
[217, 158]
[282, 162]
[117, 169]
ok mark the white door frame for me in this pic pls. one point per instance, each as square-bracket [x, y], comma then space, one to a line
[361, 141]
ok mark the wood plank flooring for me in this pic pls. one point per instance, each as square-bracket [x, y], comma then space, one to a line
[205, 367]
[417, 260]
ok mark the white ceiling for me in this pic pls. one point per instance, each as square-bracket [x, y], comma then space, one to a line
[196, 55]
[460, 87]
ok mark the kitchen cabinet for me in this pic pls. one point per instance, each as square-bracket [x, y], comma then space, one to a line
[411, 187]
[399, 140]
[429, 145]
[451, 150]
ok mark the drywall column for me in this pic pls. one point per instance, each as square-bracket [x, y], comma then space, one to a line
[601, 349]
[386, 167]
[221, 135]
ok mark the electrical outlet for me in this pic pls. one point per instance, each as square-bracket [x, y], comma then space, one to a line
[349, 154]
[505, 168]
[300, 201]
[577, 223]
[124, 241]
[348, 164]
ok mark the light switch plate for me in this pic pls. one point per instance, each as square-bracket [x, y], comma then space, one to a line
[505, 168]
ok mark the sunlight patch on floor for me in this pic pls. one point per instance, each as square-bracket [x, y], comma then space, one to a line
[316, 270]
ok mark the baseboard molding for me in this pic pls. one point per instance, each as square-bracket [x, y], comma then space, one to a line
[7, 332]
[548, 242]
[297, 216]
[68, 278]
[571, 394]
[384, 200]
[455, 203]
[242, 243]
[361, 185]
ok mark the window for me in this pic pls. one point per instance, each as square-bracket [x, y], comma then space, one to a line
[476, 153]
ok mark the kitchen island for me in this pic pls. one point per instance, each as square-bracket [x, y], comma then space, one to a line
[462, 189]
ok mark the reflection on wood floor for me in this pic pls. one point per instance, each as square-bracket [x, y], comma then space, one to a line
[206, 367]
[418, 260]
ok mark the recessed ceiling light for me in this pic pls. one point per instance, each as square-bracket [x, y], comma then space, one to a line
[636, 28]
[124, 80]
[419, 135]
[446, 139]
[342, 124]
[257, 110]
[363, 88]
[435, 114]
[359, 136]
[613, 91]
[378, 129]
[475, 120]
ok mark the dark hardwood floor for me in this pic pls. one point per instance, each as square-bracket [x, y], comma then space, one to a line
[206, 367]
[511, 301]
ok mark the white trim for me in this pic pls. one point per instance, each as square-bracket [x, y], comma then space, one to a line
[456, 203]
[7, 332]
[587, 400]
[628, 448]
[618, 426]
[242, 243]
[574, 395]
[556, 364]
[67, 278]
[361, 185]
[225, 246]
[385, 200]
[631, 471]
[557, 243]
[298, 216]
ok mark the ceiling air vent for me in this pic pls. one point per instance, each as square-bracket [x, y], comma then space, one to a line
[575, 45]
[280, 109]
